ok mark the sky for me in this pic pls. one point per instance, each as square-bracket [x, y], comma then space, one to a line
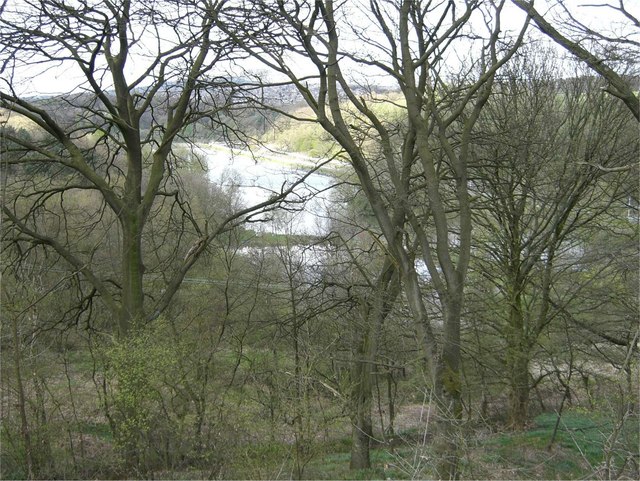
[39, 79]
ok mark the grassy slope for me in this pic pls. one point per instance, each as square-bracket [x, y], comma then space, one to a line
[577, 453]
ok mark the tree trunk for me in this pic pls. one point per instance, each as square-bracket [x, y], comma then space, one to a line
[392, 388]
[132, 311]
[24, 423]
[517, 362]
[519, 395]
[375, 309]
[444, 370]
[361, 399]
[449, 396]
[361, 432]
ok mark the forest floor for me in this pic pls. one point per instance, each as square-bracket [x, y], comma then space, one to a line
[585, 446]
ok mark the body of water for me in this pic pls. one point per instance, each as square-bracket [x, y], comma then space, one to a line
[258, 179]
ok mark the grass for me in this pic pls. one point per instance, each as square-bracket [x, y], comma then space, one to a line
[578, 448]
[99, 430]
[576, 453]
[248, 444]
[579, 432]
[384, 465]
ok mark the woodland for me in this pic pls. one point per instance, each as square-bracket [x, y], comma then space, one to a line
[464, 304]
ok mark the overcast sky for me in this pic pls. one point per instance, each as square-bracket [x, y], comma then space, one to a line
[43, 79]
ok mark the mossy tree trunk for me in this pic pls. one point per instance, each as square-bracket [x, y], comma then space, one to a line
[361, 403]
[517, 349]
[374, 308]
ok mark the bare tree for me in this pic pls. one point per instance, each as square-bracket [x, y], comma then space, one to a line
[413, 170]
[367, 279]
[612, 55]
[536, 197]
[98, 165]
